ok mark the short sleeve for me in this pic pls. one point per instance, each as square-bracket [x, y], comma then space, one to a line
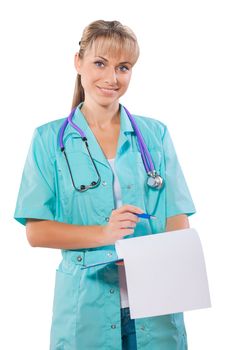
[178, 197]
[36, 196]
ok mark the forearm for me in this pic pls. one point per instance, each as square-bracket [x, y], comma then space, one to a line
[53, 234]
[177, 222]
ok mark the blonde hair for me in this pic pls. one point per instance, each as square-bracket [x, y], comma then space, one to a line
[109, 36]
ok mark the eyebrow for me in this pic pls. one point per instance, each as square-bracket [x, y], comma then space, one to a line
[105, 59]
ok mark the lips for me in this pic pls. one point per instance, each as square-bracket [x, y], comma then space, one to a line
[107, 91]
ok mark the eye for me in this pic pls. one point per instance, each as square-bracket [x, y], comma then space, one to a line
[99, 63]
[123, 68]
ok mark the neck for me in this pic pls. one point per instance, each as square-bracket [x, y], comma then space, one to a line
[101, 117]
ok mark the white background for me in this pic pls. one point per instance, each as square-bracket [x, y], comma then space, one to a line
[183, 78]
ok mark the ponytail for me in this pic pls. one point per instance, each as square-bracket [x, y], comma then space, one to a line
[79, 95]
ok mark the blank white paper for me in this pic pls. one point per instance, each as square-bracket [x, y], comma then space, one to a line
[165, 273]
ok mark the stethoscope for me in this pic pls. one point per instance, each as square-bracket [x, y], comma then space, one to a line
[154, 179]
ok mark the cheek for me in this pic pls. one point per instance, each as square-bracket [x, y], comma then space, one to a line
[89, 78]
[125, 81]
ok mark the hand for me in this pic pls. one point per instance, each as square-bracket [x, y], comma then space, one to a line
[121, 223]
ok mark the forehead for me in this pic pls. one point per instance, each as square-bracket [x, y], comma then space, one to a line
[117, 50]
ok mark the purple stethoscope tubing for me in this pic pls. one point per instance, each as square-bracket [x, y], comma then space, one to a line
[145, 154]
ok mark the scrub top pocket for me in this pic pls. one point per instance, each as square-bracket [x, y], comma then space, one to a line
[82, 169]
[65, 304]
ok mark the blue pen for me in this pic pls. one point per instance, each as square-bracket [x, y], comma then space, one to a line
[146, 216]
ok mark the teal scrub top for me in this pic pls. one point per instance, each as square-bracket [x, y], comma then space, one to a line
[86, 306]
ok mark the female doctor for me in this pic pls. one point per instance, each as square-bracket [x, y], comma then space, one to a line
[81, 191]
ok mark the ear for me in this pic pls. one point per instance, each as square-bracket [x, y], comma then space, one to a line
[77, 62]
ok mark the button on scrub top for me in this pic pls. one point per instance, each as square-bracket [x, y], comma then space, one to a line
[118, 203]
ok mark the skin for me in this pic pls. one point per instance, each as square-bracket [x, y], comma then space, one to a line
[105, 78]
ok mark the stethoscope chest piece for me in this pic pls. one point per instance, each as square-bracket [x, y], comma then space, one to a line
[155, 180]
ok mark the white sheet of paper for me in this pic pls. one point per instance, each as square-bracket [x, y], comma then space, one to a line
[165, 273]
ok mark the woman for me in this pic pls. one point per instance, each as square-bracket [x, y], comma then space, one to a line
[90, 308]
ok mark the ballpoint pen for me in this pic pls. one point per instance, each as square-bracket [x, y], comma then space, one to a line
[146, 216]
[120, 262]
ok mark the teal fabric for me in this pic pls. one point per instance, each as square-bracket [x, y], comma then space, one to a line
[86, 307]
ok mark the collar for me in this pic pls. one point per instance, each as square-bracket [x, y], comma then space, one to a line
[94, 147]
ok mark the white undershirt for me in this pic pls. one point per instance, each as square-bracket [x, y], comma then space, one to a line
[121, 269]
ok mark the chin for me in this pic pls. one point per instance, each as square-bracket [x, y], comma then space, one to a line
[105, 102]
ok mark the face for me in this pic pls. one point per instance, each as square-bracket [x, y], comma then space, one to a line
[105, 78]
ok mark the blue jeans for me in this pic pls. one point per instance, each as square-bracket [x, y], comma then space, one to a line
[128, 333]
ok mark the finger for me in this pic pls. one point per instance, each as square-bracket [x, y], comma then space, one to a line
[127, 224]
[128, 216]
[129, 208]
[124, 217]
[124, 225]
[126, 231]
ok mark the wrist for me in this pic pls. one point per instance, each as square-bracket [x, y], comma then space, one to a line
[100, 235]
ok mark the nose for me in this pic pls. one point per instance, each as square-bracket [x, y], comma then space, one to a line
[110, 76]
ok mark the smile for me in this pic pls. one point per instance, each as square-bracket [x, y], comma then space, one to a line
[107, 90]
